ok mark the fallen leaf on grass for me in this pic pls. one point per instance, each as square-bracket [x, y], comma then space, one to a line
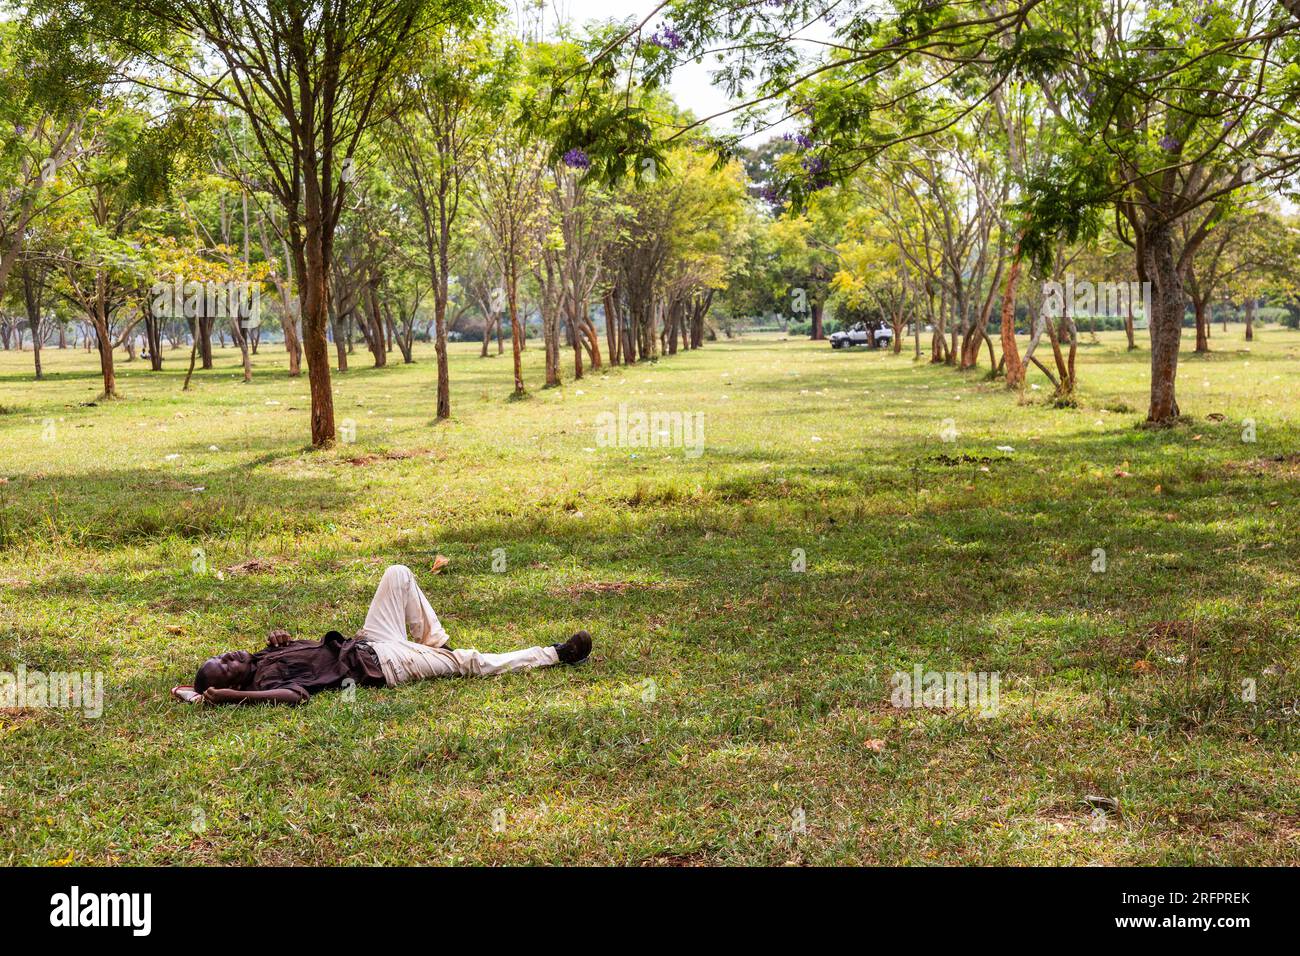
[1108, 804]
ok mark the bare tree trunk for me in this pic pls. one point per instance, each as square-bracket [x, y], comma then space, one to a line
[817, 334]
[516, 336]
[1015, 369]
[1250, 320]
[105, 358]
[577, 339]
[1202, 327]
[204, 325]
[32, 299]
[194, 350]
[1166, 322]
[153, 336]
[340, 342]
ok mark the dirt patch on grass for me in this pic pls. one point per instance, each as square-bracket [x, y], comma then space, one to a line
[1158, 637]
[15, 716]
[253, 566]
[603, 587]
[1285, 465]
[697, 858]
[360, 460]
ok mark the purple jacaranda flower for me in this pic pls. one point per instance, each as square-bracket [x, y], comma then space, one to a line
[817, 169]
[815, 165]
[799, 139]
[667, 38]
[1169, 144]
[1229, 124]
[577, 159]
[1089, 96]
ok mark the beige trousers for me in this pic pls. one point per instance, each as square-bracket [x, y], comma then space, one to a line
[399, 604]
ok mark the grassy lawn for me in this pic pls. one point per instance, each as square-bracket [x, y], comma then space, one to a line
[729, 697]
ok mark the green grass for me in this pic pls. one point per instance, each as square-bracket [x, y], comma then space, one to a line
[770, 688]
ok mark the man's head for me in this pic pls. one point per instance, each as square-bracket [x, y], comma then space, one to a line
[232, 669]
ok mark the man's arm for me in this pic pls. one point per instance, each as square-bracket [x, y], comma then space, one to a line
[225, 695]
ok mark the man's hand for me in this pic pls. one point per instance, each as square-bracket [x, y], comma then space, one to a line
[278, 638]
[217, 695]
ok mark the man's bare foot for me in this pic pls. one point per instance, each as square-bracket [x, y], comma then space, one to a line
[439, 562]
[187, 694]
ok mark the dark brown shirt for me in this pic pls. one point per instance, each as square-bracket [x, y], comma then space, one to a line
[308, 667]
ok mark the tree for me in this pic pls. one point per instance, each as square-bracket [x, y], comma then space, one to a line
[1161, 110]
[52, 72]
[309, 79]
[97, 250]
[443, 114]
[507, 196]
[874, 273]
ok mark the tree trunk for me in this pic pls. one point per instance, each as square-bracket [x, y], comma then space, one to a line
[204, 325]
[340, 342]
[516, 338]
[817, 334]
[611, 328]
[239, 336]
[153, 336]
[105, 357]
[32, 299]
[313, 263]
[1166, 322]
[1250, 320]
[440, 343]
[375, 337]
[1015, 369]
[1202, 327]
[577, 339]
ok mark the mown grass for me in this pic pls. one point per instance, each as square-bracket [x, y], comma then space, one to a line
[727, 691]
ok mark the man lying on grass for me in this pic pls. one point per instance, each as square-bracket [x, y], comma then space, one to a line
[289, 671]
